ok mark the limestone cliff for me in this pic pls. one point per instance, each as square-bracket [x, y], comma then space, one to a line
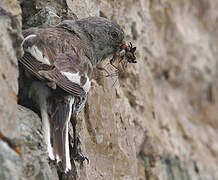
[157, 120]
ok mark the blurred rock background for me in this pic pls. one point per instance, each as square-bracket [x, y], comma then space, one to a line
[158, 120]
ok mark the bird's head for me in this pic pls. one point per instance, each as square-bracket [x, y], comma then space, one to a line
[103, 36]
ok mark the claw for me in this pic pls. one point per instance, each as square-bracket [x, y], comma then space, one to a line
[77, 155]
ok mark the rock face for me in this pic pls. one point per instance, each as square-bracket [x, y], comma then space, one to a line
[11, 165]
[156, 120]
[10, 49]
[35, 160]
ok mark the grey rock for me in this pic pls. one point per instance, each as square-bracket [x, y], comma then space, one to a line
[10, 49]
[10, 163]
[44, 18]
[35, 159]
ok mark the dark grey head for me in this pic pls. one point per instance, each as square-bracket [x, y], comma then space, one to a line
[103, 36]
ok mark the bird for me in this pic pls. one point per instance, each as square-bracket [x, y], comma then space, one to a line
[57, 67]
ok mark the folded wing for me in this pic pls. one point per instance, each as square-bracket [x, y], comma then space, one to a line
[66, 69]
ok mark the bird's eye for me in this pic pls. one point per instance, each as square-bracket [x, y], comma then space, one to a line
[114, 35]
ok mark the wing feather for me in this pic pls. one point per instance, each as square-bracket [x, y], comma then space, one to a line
[31, 64]
[59, 110]
[62, 52]
[45, 72]
[72, 88]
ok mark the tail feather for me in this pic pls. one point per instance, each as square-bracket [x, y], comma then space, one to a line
[47, 134]
[39, 93]
[60, 113]
[56, 110]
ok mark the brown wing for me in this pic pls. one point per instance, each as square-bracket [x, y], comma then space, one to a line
[57, 60]
[48, 73]
[32, 65]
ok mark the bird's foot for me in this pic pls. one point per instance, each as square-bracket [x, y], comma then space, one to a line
[77, 155]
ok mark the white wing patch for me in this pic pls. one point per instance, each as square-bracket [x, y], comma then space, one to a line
[75, 78]
[87, 85]
[34, 50]
[36, 53]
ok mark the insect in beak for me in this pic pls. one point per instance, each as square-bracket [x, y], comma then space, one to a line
[125, 54]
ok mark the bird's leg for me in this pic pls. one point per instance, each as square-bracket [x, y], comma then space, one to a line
[77, 155]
